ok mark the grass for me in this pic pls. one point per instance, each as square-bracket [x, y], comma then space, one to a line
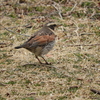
[28, 98]
[87, 4]
[1, 98]
[11, 82]
[74, 69]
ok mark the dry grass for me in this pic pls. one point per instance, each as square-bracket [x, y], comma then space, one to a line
[75, 69]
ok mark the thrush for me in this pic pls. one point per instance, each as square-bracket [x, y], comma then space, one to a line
[41, 42]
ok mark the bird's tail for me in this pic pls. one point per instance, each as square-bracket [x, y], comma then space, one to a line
[18, 47]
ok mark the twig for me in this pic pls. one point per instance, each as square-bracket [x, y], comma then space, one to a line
[58, 9]
[76, 86]
[80, 34]
[14, 32]
[94, 12]
[87, 34]
[77, 29]
[69, 12]
[1, 84]
[73, 7]
[95, 91]
[45, 15]
[3, 43]
[82, 45]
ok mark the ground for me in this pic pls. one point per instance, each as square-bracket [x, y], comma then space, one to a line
[74, 73]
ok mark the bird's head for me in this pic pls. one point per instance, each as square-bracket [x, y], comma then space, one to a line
[52, 25]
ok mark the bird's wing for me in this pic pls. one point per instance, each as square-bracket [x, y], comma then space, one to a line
[41, 40]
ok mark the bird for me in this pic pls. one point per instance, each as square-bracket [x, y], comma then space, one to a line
[42, 41]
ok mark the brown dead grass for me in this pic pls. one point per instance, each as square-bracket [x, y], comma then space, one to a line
[74, 70]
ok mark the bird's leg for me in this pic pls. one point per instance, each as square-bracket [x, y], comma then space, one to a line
[45, 60]
[38, 59]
